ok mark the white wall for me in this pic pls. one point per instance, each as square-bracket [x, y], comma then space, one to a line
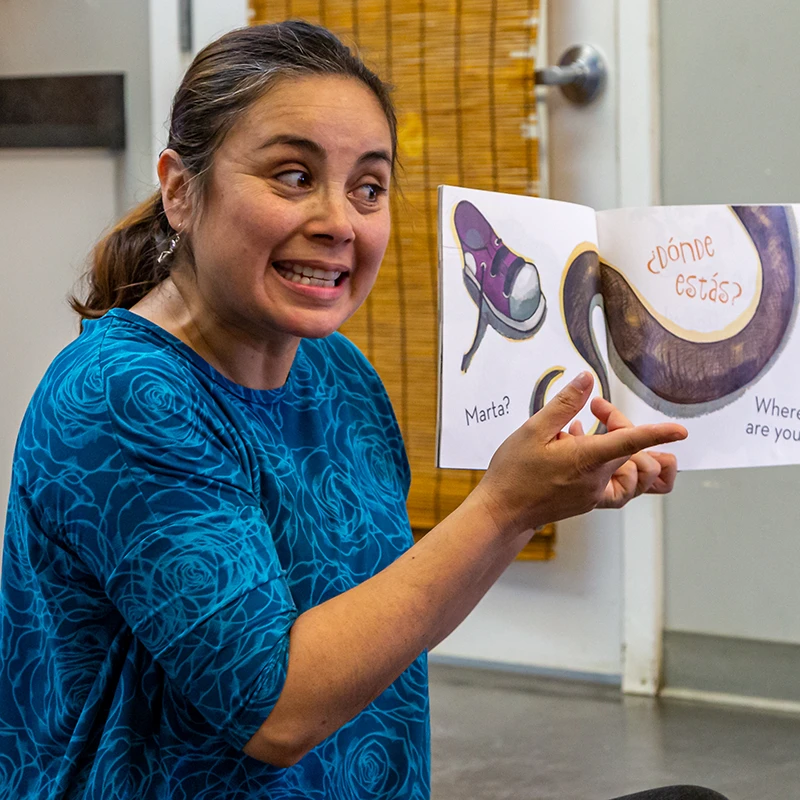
[53, 204]
[562, 615]
[45, 37]
[729, 71]
[210, 19]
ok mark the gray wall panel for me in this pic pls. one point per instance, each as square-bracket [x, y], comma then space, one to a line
[730, 113]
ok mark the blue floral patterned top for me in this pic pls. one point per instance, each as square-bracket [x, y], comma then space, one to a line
[166, 526]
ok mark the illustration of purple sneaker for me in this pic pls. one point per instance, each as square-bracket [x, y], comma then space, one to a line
[505, 287]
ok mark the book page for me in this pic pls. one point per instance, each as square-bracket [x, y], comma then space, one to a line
[700, 304]
[503, 340]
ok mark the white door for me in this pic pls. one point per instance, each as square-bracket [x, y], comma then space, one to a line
[596, 608]
[606, 155]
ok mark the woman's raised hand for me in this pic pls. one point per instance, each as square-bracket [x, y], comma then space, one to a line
[542, 473]
[651, 472]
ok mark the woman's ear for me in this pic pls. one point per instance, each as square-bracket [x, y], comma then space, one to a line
[175, 190]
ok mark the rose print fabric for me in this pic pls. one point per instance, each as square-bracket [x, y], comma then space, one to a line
[165, 528]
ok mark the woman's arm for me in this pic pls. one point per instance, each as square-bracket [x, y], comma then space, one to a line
[346, 651]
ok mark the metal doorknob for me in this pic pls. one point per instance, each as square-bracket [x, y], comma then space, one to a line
[581, 73]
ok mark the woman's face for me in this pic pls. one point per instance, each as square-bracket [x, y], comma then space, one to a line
[295, 219]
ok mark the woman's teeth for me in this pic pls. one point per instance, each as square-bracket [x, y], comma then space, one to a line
[307, 276]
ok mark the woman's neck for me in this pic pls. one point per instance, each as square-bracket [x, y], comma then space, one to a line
[246, 359]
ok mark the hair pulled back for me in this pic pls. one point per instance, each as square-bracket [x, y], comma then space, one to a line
[223, 81]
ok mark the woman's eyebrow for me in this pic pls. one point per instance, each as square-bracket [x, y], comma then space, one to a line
[375, 155]
[295, 141]
[316, 149]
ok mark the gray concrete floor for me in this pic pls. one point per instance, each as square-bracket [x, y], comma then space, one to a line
[499, 736]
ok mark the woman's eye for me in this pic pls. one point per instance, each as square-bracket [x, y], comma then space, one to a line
[371, 192]
[296, 178]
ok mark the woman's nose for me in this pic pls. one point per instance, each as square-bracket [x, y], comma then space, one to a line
[331, 219]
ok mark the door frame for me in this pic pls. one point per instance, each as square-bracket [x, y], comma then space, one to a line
[639, 157]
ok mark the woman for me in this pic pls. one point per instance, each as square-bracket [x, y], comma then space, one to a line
[209, 586]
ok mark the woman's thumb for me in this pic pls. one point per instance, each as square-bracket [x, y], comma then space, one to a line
[559, 411]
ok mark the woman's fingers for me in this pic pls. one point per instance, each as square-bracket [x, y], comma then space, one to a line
[609, 414]
[576, 428]
[641, 471]
[648, 470]
[624, 442]
[634, 477]
[668, 472]
[621, 487]
[651, 473]
[549, 469]
[655, 471]
[623, 450]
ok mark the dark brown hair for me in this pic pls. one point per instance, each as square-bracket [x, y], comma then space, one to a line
[223, 81]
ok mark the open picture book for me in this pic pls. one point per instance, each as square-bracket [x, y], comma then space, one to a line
[682, 313]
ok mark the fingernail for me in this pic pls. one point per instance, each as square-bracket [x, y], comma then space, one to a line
[582, 382]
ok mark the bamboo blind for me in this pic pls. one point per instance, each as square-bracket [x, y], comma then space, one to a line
[463, 77]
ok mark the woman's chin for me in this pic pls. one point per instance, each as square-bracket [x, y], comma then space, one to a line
[315, 325]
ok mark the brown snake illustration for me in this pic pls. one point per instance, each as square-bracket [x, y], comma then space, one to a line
[669, 372]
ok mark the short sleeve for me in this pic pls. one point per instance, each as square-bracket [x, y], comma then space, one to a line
[191, 563]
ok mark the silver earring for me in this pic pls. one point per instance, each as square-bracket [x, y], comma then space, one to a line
[170, 251]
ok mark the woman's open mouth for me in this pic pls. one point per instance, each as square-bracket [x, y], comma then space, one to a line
[306, 275]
